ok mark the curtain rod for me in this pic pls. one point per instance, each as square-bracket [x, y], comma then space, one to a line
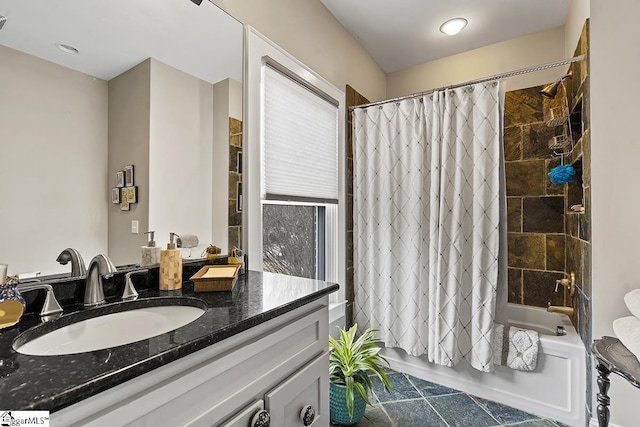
[482, 80]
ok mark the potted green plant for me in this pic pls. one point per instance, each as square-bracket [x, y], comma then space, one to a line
[350, 362]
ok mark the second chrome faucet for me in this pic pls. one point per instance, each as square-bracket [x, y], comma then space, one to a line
[100, 267]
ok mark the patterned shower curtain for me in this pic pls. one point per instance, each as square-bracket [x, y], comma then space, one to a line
[426, 222]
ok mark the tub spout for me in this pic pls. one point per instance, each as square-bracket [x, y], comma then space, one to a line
[557, 309]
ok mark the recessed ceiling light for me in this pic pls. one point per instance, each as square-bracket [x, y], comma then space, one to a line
[453, 26]
[67, 48]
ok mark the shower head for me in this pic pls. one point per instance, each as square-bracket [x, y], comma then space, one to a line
[550, 91]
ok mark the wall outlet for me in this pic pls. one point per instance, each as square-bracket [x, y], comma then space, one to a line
[134, 226]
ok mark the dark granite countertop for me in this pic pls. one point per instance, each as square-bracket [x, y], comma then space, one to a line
[54, 382]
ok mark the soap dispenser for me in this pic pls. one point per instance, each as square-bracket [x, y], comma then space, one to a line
[170, 266]
[150, 254]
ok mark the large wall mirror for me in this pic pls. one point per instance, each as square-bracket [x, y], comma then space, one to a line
[90, 87]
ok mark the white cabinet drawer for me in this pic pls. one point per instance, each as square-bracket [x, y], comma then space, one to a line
[309, 386]
[244, 418]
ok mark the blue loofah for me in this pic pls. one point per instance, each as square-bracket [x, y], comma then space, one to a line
[562, 174]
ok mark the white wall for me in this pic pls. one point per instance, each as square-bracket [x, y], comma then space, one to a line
[180, 155]
[235, 99]
[615, 59]
[53, 177]
[308, 31]
[579, 11]
[514, 54]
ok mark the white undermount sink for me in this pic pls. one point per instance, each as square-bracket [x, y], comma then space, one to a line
[111, 330]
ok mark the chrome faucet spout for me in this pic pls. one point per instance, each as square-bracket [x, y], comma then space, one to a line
[99, 267]
[77, 263]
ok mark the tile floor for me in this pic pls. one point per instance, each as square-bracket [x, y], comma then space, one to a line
[417, 403]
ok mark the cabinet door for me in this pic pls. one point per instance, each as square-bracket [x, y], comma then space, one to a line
[244, 418]
[309, 387]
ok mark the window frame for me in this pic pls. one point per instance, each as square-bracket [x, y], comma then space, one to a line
[258, 51]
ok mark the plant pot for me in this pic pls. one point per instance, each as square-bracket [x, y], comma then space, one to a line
[338, 405]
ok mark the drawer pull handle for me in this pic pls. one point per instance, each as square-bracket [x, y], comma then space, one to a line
[261, 419]
[308, 415]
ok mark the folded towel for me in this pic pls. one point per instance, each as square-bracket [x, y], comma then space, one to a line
[632, 300]
[515, 348]
[627, 329]
[187, 241]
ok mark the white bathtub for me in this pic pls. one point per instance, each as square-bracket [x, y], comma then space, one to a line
[556, 389]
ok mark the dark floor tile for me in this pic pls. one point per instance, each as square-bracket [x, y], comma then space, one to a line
[459, 410]
[427, 388]
[536, 423]
[504, 414]
[374, 416]
[413, 413]
[401, 388]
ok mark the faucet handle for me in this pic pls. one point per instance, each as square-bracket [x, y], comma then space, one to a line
[130, 292]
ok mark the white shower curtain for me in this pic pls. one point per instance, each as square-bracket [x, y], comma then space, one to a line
[426, 222]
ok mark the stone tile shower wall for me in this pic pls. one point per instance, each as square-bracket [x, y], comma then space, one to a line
[546, 237]
[578, 243]
[353, 98]
[535, 206]
[235, 177]
[578, 227]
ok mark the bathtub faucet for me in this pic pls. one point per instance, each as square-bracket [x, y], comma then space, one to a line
[557, 309]
[569, 283]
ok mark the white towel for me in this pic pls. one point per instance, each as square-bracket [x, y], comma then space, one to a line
[515, 348]
[187, 241]
[632, 300]
[627, 329]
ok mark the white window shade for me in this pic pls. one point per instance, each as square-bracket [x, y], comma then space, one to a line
[300, 141]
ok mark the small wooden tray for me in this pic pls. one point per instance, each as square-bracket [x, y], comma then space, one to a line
[213, 278]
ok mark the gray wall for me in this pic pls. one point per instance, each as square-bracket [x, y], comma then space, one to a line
[129, 110]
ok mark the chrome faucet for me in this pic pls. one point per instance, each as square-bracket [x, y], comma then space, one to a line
[99, 267]
[50, 306]
[77, 263]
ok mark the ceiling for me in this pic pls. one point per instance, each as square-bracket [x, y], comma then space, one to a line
[399, 34]
[115, 35]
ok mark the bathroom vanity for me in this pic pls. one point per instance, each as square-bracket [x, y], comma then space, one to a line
[259, 349]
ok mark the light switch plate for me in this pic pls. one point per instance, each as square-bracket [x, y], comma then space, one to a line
[134, 227]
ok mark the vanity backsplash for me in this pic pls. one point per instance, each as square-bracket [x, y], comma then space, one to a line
[69, 291]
